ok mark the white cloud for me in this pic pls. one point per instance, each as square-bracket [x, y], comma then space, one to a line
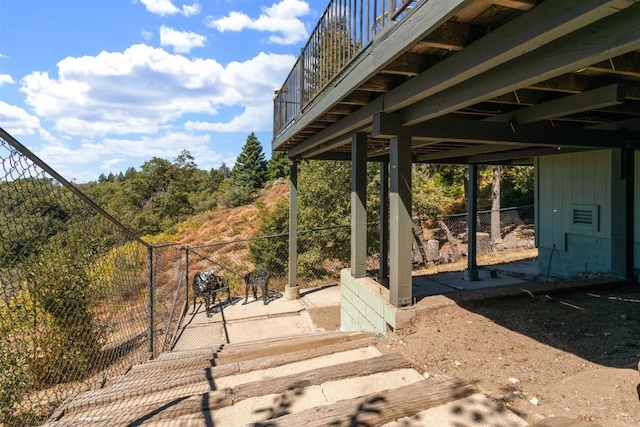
[251, 85]
[146, 90]
[194, 9]
[281, 18]
[146, 35]
[166, 7]
[3, 56]
[256, 118]
[17, 121]
[6, 79]
[182, 41]
[116, 154]
[135, 91]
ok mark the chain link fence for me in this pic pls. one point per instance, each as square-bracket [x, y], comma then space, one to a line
[504, 235]
[82, 298]
[322, 253]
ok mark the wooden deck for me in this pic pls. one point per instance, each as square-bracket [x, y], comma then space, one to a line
[464, 77]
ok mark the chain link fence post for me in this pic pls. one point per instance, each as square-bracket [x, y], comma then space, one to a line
[150, 308]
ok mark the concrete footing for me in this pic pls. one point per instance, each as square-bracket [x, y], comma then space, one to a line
[365, 306]
[470, 275]
[292, 292]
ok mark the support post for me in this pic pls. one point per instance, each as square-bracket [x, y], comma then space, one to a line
[383, 271]
[186, 278]
[292, 290]
[471, 273]
[622, 212]
[150, 304]
[358, 205]
[400, 239]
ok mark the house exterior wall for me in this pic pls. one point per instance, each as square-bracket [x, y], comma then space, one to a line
[576, 181]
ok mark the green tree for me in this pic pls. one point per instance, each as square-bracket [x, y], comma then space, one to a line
[278, 166]
[230, 195]
[250, 169]
[324, 201]
[273, 253]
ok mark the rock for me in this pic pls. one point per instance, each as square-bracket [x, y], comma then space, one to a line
[433, 250]
[514, 380]
[279, 181]
[534, 401]
[483, 243]
[426, 375]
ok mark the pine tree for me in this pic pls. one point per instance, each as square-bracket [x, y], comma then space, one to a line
[278, 166]
[250, 169]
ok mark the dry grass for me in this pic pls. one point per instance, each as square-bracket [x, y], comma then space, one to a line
[224, 224]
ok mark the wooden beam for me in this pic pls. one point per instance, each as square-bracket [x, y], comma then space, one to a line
[525, 97]
[542, 24]
[336, 134]
[383, 363]
[546, 22]
[572, 104]
[342, 109]
[381, 83]
[514, 4]
[383, 407]
[345, 157]
[410, 64]
[576, 83]
[477, 131]
[624, 65]
[462, 152]
[611, 36]
[629, 125]
[329, 145]
[450, 36]
[532, 152]
[357, 98]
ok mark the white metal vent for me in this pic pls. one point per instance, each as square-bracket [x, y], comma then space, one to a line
[585, 217]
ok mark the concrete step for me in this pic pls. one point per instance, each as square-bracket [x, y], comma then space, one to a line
[312, 379]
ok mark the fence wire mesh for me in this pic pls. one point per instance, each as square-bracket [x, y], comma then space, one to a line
[503, 236]
[74, 301]
[322, 253]
[441, 244]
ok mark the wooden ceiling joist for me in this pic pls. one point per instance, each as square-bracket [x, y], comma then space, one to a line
[514, 4]
[624, 65]
[409, 64]
[614, 35]
[462, 152]
[572, 104]
[450, 36]
[534, 152]
[478, 131]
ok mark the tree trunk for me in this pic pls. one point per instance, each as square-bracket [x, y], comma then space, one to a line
[419, 244]
[495, 205]
[452, 240]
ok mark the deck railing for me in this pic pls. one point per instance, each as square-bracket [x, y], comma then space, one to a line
[345, 29]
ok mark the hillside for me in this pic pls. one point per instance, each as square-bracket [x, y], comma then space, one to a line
[224, 224]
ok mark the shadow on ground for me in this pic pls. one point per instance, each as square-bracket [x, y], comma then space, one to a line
[601, 325]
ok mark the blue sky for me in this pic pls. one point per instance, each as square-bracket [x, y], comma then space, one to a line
[97, 86]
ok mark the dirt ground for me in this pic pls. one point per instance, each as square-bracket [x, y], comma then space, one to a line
[572, 354]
